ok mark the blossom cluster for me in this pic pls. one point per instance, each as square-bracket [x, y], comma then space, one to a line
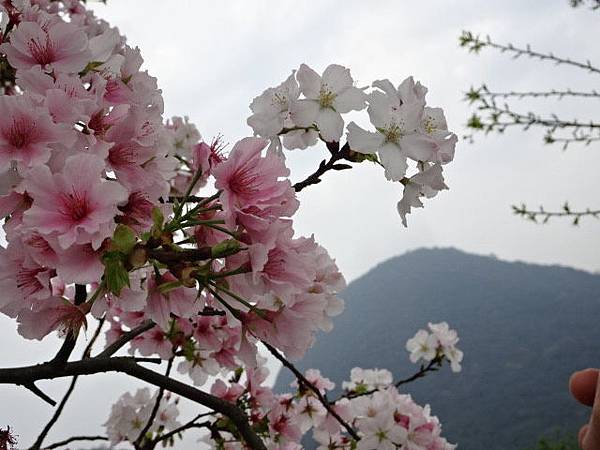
[406, 129]
[130, 414]
[90, 166]
[383, 417]
[439, 342]
[110, 211]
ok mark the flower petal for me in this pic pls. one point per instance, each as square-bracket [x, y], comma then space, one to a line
[310, 82]
[394, 161]
[350, 99]
[304, 113]
[363, 141]
[331, 125]
[337, 78]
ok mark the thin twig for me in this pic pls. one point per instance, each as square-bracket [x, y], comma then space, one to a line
[475, 44]
[125, 338]
[476, 94]
[159, 397]
[69, 344]
[75, 438]
[63, 402]
[302, 379]
[183, 427]
[544, 216]
[324, 166]
[431, 367]
[129, 366]
[38, 392]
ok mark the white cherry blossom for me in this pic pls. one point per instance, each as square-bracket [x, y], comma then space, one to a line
[422, 346]
[426, 183]
[327, 97]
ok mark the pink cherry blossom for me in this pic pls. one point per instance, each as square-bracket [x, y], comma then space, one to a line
[51, 314]
[76, 206]
[57, 46]
[180, 301]
[251, 184]
[26, 132]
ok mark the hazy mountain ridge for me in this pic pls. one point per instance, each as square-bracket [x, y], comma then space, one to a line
[524, 328]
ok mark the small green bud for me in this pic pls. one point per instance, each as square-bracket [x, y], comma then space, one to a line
[116, 276]
[226, 248]
[124, 239]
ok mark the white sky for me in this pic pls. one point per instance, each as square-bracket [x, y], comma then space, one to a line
[212, 58]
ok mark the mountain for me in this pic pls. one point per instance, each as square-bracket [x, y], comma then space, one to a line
[524, 329]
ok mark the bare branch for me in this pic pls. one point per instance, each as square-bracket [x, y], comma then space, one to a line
[474, 95]
[159, 397]
[474, 44]
[37, 391]
[303, 381]
[191, 424]
[124, 339]
[74, 439]
[543, 216]
[433, 366]
[129, 366]
[593, 4]
[337, 154]
[71, 337]
[63, 402]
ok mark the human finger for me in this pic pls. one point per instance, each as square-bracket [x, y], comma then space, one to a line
[583, 385]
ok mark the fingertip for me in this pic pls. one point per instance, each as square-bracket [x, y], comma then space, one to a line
[582, 385]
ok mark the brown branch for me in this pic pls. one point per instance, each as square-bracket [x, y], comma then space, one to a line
[302, 379]
[191, 424]
[545, 216]
[336, 155]
[129, 366]
[63, 402]
[159, 397]
[125, 338]
[170, 257]
[38, 392]
[433, 365]
[71, 338]
[474, 44]
[75, 438]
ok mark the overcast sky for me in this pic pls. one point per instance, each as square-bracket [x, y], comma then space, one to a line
[212, 58]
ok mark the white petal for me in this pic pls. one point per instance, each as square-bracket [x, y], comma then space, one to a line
[410, 116]
[300, 139]
[434, 118]
[275, 148]
[419, 147]
[290, 87]
[363, 141]
[331, 125]
[310, 82]
[380, 109]
[410, 199]
[394, 161]
[410, 92]
[265, 125]
[337, 78]
[431, 177]
[386, 86]
[304, 112]
[350, 99]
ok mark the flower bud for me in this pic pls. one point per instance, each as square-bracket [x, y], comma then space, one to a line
[226, 248]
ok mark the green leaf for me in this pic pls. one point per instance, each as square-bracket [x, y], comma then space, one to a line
[124, 239]
[116, 276]
[157, 218]
[91, 66]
